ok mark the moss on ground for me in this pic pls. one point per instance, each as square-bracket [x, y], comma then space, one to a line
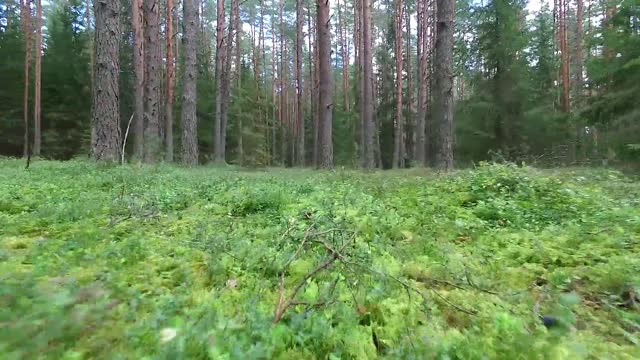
[165, 262]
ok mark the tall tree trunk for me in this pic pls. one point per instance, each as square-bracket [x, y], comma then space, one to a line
[189, 80]
[25, 16]
[176, 40]
[235, 9]
[368, 121]
[259, 55]
[137, 20]
[429, 39]
[282, 107]
[325, 96]
[420, 150]
[345, 59]
[273, 88]
[398, 147]
[38, 81]
[105, 132]
[357, 81]
[313, 78]
[410, 139]
[87, 15]
[170, 83]
[226, 83]
[562, 29]
[299, 105]
[444, 81]
[237, 34]
[219, 151]
[579, 47]
[579, 86]
[152, 131]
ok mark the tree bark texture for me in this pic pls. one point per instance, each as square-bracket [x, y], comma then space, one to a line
[219, 152]
[444, 81]
[189, 80]
[152, 130]
[38, 82]
[137, 20]
[398, 148]
[325, 96]
[420, 151]
[368, 122]
[168, 132]
[105, 132]
[25, 17]
[299, 104]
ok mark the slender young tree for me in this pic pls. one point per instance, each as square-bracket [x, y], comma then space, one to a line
[325, 98]
[138, 66]
[282, 102]
[219, 151]
[105, 132]
[398, 148]
[152, 131]
[444, 81]
[189, 80]
[298, 75]
[25, 16]
[38, 81]
[274, 86]
[420, 150]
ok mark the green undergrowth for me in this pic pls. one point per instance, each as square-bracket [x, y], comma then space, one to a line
[144, 262]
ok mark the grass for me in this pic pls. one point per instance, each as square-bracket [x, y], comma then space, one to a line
[161, 262]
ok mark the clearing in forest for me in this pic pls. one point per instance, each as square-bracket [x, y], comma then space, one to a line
[166, 262]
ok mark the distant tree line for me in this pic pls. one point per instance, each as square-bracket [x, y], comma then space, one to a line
[371, 84]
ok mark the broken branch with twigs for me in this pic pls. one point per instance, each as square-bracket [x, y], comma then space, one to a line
[284, 303]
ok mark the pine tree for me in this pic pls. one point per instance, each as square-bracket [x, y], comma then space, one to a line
[170, 82]
[38, 81]
[189, 81]
[325, 95]
[105, 133]
[366, 79]
[219, 151]
[444, 81]
[138, 65]
[398, 149]
[152, 130]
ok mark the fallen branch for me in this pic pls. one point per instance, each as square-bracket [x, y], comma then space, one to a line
[416, 290]
[283, 304]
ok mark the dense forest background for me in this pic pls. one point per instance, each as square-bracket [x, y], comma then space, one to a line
[555, 86]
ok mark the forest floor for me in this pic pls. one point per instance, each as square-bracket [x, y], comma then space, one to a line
[171, 263]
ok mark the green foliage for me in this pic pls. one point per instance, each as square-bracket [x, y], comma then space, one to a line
[170, 263]
[616, 77]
